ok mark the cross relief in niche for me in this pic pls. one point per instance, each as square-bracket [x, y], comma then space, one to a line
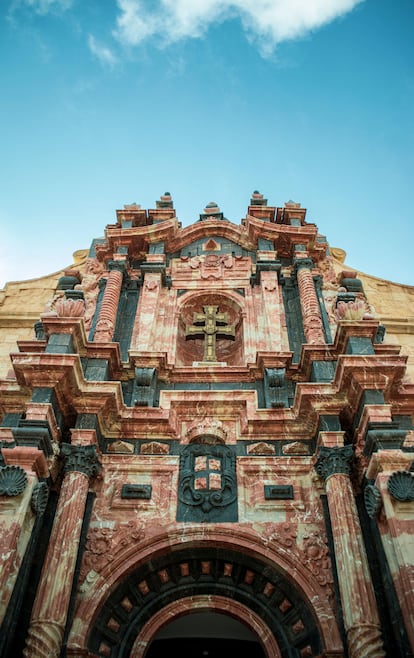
[210, 325]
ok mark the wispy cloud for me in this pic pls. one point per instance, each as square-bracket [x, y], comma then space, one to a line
[42, 7]
[101, 52]
[268, 22]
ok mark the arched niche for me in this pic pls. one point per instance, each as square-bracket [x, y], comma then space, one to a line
[228, 349]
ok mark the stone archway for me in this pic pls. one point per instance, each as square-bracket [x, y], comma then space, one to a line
[229, 581]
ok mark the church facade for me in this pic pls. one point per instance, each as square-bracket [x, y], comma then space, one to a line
[207, 444]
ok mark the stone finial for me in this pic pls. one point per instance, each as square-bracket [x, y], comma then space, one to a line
[257, 199]
[211, 211]
[132, 206]
[211, 208]
[165, 201]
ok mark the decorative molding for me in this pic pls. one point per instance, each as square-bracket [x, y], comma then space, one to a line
[13, 480]
[334, 461]
[81, 459]
[401, 486]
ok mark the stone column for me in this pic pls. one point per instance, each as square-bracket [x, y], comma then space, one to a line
[105, 325]
[359, 607]
[49, 614]
[311, 312]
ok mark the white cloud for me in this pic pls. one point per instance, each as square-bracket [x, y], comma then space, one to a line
[101, 52]
[268, 21]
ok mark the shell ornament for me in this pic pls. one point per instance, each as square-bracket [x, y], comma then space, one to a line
[40, 497]
[13, 480]
[373, 500]
[401, 486]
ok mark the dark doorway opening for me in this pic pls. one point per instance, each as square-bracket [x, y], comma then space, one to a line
[204, 648]
[205, 635]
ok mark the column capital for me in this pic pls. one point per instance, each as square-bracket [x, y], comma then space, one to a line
[80, 459]
[301, 263]
[334, 461]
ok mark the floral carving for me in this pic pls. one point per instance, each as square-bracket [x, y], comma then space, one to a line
[283, 534]
[354, 310]
[70, 308]
[102, 545]
[317, 557]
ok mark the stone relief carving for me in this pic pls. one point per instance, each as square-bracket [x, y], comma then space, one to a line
[313, 551]
[90, 288]
[103, 544]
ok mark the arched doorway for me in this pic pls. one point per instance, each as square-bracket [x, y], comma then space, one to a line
[206, 579]
[204, 635]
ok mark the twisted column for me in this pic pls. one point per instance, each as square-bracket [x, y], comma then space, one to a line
[311, 312]
[360, 613]
[105, 325]
[50, 609]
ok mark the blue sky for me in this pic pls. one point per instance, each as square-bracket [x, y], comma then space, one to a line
[106, 102]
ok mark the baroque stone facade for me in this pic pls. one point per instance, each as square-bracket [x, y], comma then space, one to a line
[207, 423]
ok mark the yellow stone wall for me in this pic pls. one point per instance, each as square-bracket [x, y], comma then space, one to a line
[21, 303]
[392, 304]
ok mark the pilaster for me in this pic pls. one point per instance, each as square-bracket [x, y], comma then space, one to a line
[394, 488]
[19, 478]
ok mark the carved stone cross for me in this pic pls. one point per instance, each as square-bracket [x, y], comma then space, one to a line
[210, 325]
